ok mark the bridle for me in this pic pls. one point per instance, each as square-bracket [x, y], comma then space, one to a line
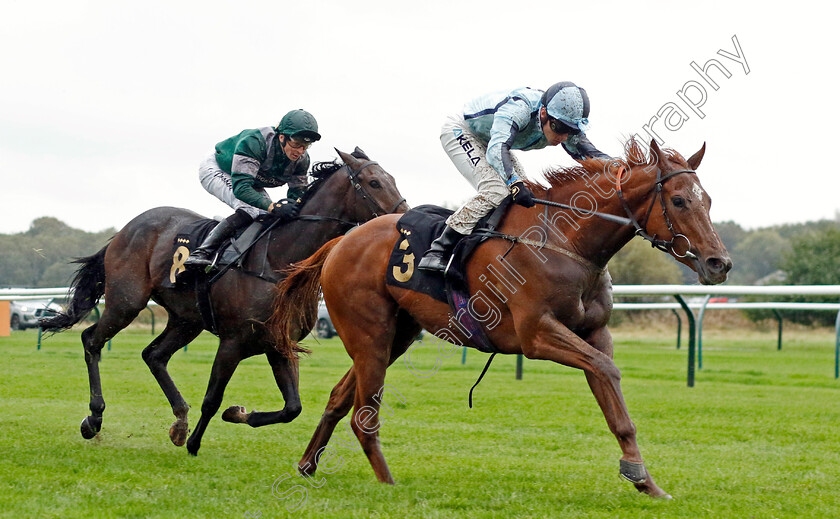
[353, 176]
[361, 191]
[663, 245]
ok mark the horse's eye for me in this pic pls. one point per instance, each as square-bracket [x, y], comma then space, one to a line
[678, 201]
[375, 184]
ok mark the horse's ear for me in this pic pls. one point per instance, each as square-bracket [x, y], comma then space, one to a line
[360, 154]
[656, 152]
[654, 148]
[694, 160]
[348, 159]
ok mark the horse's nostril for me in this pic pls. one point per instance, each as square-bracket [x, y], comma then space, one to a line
[715, 265]
[719, 265]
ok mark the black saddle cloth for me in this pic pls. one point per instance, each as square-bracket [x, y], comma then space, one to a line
[192, 235]
[418, 229]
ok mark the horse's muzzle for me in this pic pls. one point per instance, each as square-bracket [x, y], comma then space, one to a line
[713, 271]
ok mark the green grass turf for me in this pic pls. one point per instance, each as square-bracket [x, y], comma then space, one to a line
[756, 437]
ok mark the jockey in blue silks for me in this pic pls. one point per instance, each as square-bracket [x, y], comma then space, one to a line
[479, 140]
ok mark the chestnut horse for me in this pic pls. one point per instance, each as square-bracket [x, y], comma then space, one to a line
[554, 303]
[131, 269]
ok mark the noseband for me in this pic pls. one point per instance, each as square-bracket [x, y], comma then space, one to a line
[362, 192]
[663, 245]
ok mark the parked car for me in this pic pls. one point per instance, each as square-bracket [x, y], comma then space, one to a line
[26, 313]
[324, 328]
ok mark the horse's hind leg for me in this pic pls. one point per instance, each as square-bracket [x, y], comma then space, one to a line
[365, 427]
[177, 334]
[114, 318]
[286, 376]
[341, 398]
[370, 386]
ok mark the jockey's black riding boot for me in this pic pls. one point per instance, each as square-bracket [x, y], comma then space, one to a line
[203, 255]
[437, 257]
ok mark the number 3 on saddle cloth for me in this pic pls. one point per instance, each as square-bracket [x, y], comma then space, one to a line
[418, 228]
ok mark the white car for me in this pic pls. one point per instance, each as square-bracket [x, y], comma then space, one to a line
[26, 313]
[324, 328]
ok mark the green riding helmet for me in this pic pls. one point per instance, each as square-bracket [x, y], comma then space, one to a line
[299, 124]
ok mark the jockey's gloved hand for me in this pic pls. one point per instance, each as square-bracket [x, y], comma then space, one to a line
[522, 195]
[285, 209]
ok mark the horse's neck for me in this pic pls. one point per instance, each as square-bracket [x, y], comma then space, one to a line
[331, 199]
[590, 236]
[301, 238]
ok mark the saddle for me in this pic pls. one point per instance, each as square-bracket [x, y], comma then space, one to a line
[232, 252]
[418, 228]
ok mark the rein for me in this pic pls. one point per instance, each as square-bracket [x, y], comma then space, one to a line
[663, 245]
[352, 175]
[539, 245]
[609, 217]
[360, 189]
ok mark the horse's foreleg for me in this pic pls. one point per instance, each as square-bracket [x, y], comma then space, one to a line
[176, 335]
[227, 359]
[286, 376]
[631, 468]
[553, 341]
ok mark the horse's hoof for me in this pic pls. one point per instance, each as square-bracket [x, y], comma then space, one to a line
[192, 448]
[637, 474]
[178, 432]
[235, 414]
[633, 472]
[654, 491]
[307, 468]
[88, 430]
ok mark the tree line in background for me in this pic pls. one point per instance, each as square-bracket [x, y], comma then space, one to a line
[41, 256]
[797, 254]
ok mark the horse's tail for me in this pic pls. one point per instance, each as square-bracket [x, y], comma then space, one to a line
[296, 304]
[87, 287]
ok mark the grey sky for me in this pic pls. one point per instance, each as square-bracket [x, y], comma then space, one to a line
[107, 108]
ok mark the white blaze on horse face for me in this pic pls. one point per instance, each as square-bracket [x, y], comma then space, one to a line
[698, 191]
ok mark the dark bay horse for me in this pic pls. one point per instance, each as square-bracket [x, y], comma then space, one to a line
[545, 291]
[130, 270]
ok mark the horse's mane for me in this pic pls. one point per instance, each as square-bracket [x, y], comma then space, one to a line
[321, 171]
[635, 154]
